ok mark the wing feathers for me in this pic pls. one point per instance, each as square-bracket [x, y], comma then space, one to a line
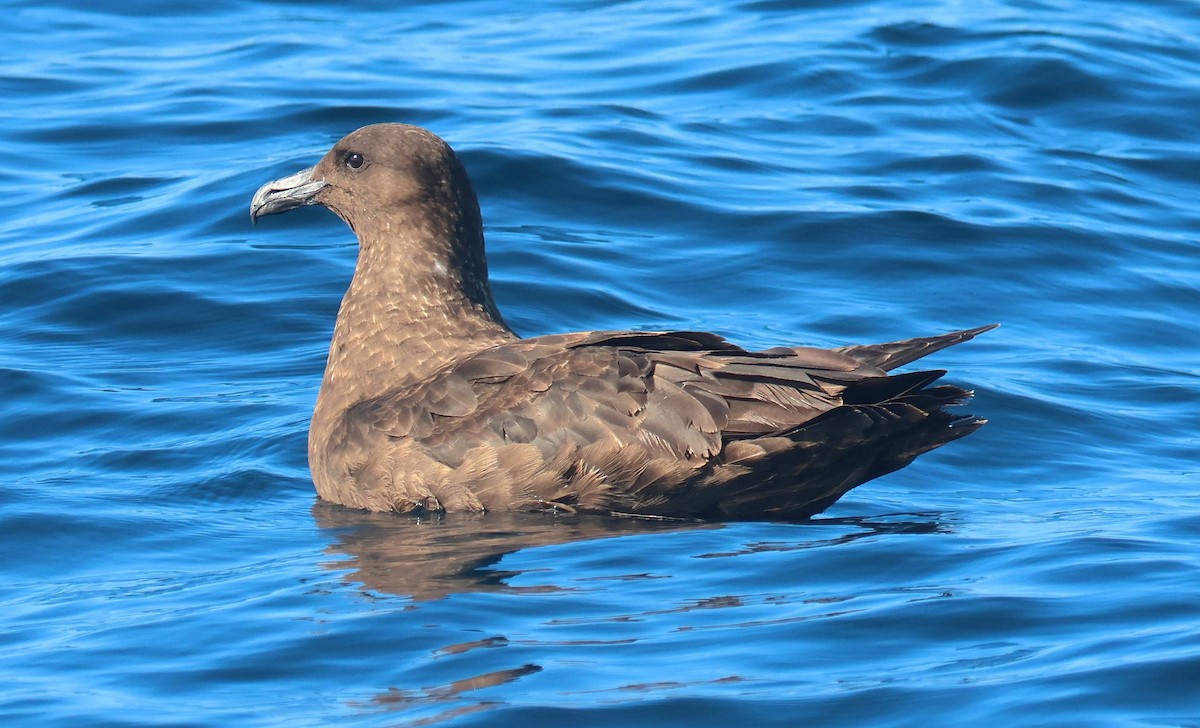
[656, 423]
[898, 353]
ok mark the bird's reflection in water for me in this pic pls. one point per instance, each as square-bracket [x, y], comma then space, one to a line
[432, 557]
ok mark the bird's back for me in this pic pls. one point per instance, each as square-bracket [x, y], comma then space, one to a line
[664, 424]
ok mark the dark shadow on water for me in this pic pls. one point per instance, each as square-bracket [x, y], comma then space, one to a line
[395, 699]
[892, 523]
[432, 557]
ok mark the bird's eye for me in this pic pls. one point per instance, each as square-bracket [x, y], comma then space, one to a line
[354, 160]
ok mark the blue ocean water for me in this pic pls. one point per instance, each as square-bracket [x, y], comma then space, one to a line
[778, 171]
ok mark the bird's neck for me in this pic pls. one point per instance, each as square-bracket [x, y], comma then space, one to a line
[402, 320]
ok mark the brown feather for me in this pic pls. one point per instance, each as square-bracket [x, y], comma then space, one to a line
[431, 402]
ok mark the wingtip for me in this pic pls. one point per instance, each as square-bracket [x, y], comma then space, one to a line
[966, 424]
[971, 333]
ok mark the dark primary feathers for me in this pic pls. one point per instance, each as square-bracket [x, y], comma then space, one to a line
[430, 402]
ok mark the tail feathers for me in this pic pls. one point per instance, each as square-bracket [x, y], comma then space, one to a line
[813, 465]
[874, 390]
[946, 395]
[898, 353]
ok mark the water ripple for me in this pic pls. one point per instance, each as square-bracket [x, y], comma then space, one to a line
[774, 170]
